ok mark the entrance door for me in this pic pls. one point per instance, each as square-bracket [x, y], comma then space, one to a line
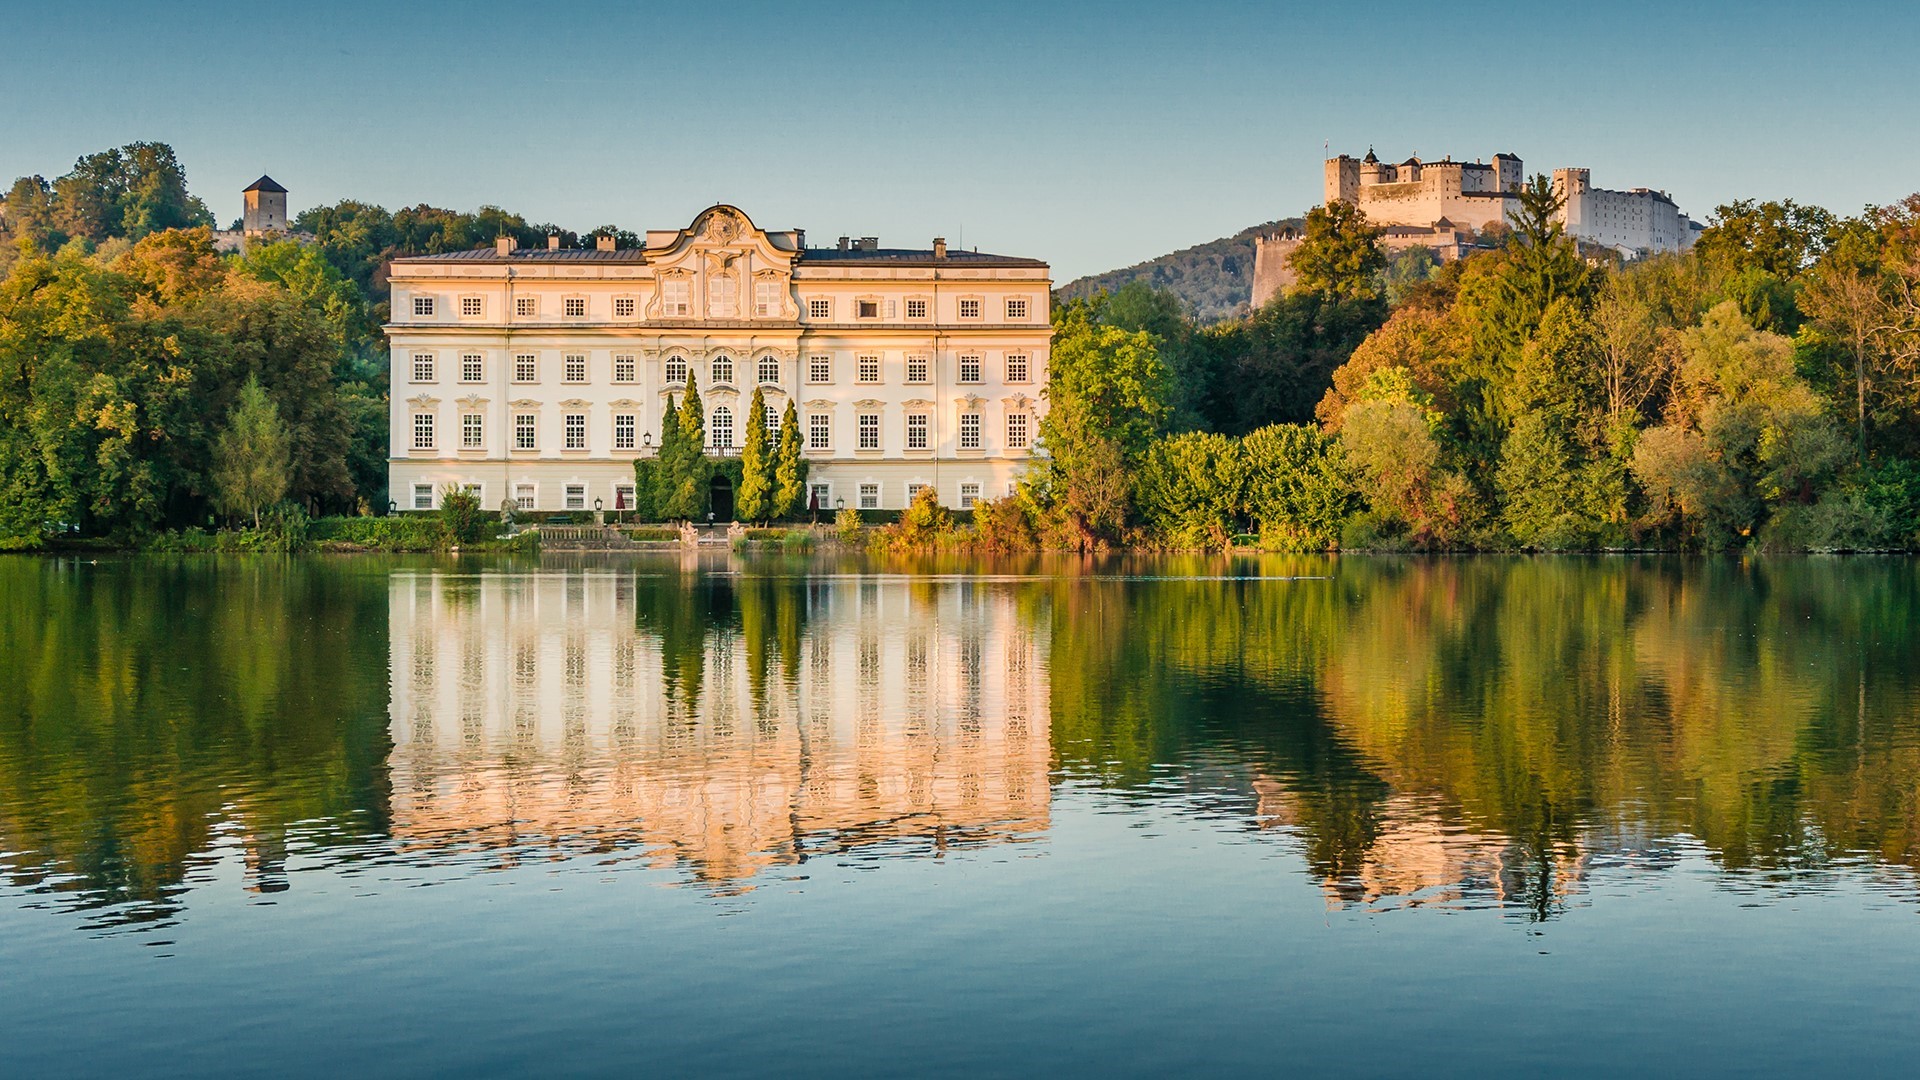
[720, 498]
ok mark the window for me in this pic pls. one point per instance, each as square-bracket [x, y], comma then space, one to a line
[473, 431]
[469, 306]
[820, 369]
[623, 429]
[770, 419]
[819, 309]
[576, 496]
[623, 496]
[917, 367]
[970, 368]
[576, 428]
[526, 307]
[1016, 431]
[723, 296]
[1016, 309]
[574, 307]
[623, 307]
[676, 370]
[869, 431]
[913, 492]
[970, 431]
[526, 368]
[423, 496]
[869, 496]
[623, 368]
[523, 498]
[820, 432]
[722, 369]
[769, 370]
[916, 309]
[1016, 367]
[766, 297]
[423, 305]
[525, 432]
[868, 309]
[423, 367]
[969, 494]
[970, 309]
[473, 367]
[822, 498]
[576, 367]
[423, 431]
[917, 431]
[720, 428]
[674, 293]
[869, 364]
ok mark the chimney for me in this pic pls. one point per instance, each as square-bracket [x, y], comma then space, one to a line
[869, 243]
[800, 239]
[603, 243]
[939, 247]
[503, 246]
[553, 241]
[843, 243]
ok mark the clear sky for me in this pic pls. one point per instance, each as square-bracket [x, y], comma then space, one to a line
[1092, 135]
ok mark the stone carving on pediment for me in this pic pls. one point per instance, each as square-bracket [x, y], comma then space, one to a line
[722, 227]
[423, 401]
[870, 403]
[575, 403]
[972, 402]
[524, 403]
[1019, 401]
[916, 403]
[624, 403]
[820, 403]
[471, 401]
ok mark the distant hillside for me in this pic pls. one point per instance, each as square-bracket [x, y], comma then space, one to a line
[1214, 279]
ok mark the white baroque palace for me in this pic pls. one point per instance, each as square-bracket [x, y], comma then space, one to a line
[539, 375]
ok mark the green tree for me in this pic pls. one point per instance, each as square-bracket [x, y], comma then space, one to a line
[1189, 489]
[790, 468]
[1297, 489]
[1339, 254]
[1106, 393]
[684, 469]
[755, 500]
[252, 458]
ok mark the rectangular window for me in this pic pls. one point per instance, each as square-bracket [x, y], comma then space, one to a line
[969, 494]
[469, 306]
[822, 497]
[473, 367]
[917, 365]
[576, 496]
[766, 297]
[473, 431]
[526, 368]
[1016, 367]
[623, 368]
[673, 297]
[970, 369]
[423, 496]
[1016, 431]
[523, 496]
[917, 431]
[868, 309]
[623, 428]
[526, 307]
[970, 309]
[913, 492]
[869, 431]
[576, 428]
[575, 307]
[970, 431]
[623, 307]
[576, 367]
[423, 367]
[916, 309]
[526, 433]
[423, 431]
[869, 496]
[819, 432]
[1017, 309]
[623, 496]
[819, 309]
[820, 369]
[869, 368]
[423, 305]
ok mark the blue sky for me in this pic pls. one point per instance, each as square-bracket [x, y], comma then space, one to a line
[1091, 135]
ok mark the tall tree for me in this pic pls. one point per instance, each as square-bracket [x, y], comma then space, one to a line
[252, 458]
[790, 470]
[755, 499]
[1340, 254]
[1107, 398]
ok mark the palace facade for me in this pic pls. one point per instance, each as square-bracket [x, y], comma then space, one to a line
[540, 375]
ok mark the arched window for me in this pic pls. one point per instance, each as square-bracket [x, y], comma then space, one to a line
[676, 370]
[770, 417]
[722, 369]
[720, 427]
[769, 370]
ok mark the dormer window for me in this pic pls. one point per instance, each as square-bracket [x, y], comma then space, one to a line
[818, 308]
[916, 309]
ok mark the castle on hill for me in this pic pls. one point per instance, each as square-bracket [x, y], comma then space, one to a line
[263, 216]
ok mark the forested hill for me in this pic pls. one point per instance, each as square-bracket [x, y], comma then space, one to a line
[1213, 280]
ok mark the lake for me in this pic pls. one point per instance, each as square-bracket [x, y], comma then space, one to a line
[737, 815]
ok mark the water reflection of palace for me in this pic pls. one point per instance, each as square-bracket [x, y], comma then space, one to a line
[723, 724]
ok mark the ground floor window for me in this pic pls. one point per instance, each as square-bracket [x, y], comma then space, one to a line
[576, 496]
[523, 498]
[423, 496]
[822, 497]
[869, 496]
[623, 497]
[969, 494]
[913, 492]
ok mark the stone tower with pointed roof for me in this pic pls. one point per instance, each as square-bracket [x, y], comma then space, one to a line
[266, 209]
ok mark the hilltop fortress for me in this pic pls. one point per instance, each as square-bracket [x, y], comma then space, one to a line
[1446, 205]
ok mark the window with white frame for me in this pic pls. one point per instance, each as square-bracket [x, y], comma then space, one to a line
[676, 370]
[575, 367]
[720, 428]
[624, 426]
[866, 309]
[820, 368]
[869, 496]
[623, 496]
[1017, 431]
[473, 367]
[916, 431]
[675, 293]
[969, 494]
[722, 369]
[523, 496]
[869, 367]
[423, 431]
[820, 431]
[1016, 367]
[526, 307]
[770, 419]
[769, 370]
[623, 367]
[623, 307]
[869, 431]
[913, 492]
[423, 367]
[473, 431]
[574, 307]
[766, 297]
[822, 497]
[470, 306]
[576, 496]
[970, 308]
[423, 496]
[1016, 308]
[970, 368]
[576, 429]
[917, 367]
[526, 368]
[526, 431]
[916, 309]
[422, 306]
[723, 296]
[819, 308]
[970, 431]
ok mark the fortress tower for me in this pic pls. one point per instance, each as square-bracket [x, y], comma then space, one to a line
[266, 208]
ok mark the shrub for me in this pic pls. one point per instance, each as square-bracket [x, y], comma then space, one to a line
[461, 519]
[847, 526]
[1005, 525]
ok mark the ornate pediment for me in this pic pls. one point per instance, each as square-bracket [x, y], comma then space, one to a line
[575, 403]
[1018, 401]
[624, 403]
[524, 403]
[820, 403]
[870, 403]
[725, 256]
[916, 403]
[423, 401]
[471, 401]
[972, 402]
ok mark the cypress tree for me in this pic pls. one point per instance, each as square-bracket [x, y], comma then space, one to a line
[790, 468]
[756, 465]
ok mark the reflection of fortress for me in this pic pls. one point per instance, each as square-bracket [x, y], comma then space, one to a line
[558, 710]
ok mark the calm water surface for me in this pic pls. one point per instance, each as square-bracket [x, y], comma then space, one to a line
[388, 816]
